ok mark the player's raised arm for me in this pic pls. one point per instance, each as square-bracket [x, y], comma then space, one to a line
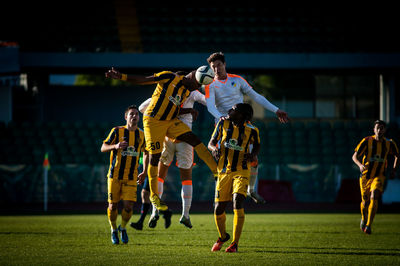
[134, 79]
[258, 98]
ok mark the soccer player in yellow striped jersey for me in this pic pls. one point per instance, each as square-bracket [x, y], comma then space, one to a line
[125, 144]
[373, 151]
[160, 120]
[235, 134]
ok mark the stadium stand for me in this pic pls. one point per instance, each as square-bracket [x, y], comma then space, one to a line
[127, 26]
[132, 26]
[294, 143]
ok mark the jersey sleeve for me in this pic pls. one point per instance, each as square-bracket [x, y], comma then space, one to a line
[210, 100]
[216, 135]
[258, 98]
[361, 147]
[164, 76]
[112, 136]
[256, 136]
[199, 97]
[144, 105]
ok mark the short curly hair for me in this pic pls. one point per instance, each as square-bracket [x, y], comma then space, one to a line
[216, 56]
[246, 110]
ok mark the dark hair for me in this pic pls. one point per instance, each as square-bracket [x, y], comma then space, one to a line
[216, 56]
[246, 110]
[131, 107]
[380, 122]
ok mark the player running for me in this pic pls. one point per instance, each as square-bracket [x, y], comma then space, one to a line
[374, 151]
[125, 144]
[229, 89]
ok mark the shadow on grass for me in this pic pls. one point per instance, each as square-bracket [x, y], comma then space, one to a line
[327, 251]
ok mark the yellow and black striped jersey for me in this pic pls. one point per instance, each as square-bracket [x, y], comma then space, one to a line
[234, 144]
[167, 97]
[374, 155]
[124, 163]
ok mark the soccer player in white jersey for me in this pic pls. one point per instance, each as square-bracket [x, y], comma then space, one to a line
[184, 157]
[227, 90]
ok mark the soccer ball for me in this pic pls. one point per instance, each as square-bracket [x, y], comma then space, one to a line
[204, 75]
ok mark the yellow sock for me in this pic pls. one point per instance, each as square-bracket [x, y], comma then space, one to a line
[220, 223]
[364, 211]
[152, 173]
[112, 218]
[373, 207]
[126, 216]
[238, 221]
[206, 156]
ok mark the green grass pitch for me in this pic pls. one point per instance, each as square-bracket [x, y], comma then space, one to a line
[267, 239]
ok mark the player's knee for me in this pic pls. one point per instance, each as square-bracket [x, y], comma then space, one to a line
[190, 138]
[154, 159]
[112, 206]
[219, 208]
[238, 200]
[128, 209]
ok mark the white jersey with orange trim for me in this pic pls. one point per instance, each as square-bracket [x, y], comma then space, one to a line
[221, 95]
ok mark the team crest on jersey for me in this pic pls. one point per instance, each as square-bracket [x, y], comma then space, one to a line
[130, 151]
[233, 84]
[232, 144]
[176, 100]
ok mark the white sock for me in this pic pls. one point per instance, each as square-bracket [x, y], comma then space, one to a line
[160, 187]
[253, 179]
[186, 194]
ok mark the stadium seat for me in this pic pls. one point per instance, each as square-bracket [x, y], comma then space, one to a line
[325, 126]
[338, 125]
[312, 126]
[273, 132]
[351, 125]
[272, 125]
[298, 125]
[287, 141]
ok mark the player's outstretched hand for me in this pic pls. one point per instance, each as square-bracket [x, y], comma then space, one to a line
[113, 74]
[282, 116]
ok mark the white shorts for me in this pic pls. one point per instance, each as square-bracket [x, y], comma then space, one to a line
[184, 154]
